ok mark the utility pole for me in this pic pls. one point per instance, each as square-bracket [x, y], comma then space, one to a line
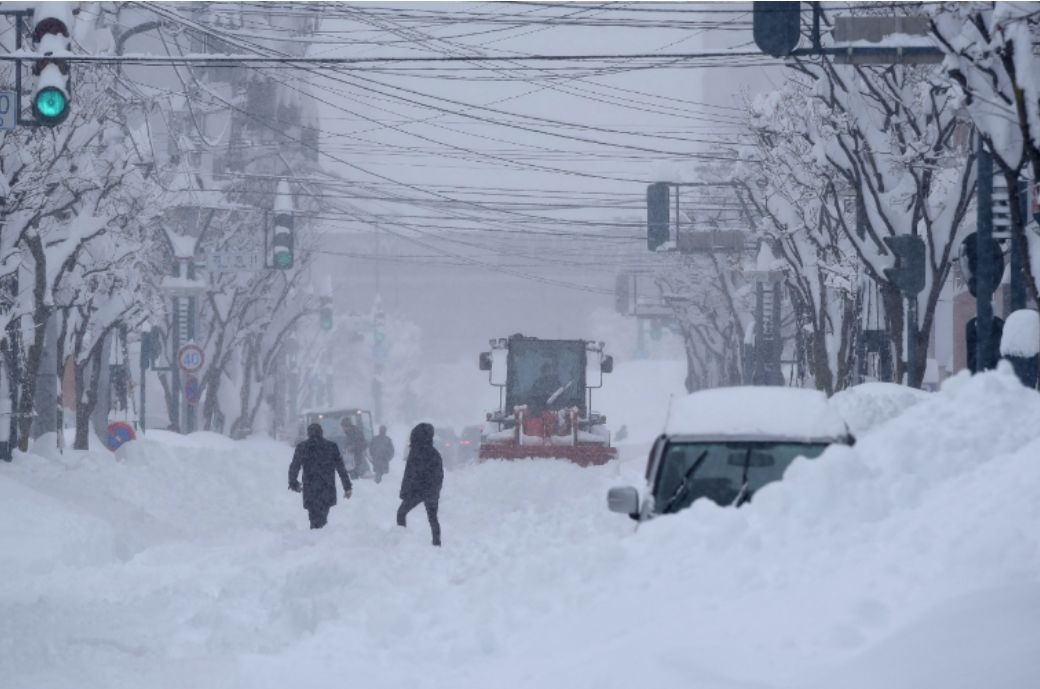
[986, 350]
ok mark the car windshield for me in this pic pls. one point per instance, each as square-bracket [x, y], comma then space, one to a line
[723, 472]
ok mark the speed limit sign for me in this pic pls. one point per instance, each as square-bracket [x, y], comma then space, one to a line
[190, 358]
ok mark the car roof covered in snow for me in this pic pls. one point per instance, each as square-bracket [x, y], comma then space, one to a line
[750, 412]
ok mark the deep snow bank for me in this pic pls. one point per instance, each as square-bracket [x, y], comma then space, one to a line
[869, 563]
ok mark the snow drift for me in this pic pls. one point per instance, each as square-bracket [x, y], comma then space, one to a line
[908, 560]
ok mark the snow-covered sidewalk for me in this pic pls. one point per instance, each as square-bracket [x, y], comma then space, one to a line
[910, 560]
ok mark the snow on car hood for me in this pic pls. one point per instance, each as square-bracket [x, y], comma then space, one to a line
[738, 412]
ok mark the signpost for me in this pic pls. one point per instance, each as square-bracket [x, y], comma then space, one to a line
[191, 390]
[190, 358]
[234, 262]
[119, 434]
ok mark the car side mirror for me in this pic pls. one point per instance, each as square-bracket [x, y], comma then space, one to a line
[485, 361]
[606, 365]
[623, 499]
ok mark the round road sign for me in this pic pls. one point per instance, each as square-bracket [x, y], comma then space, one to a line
[118, 434]
[191, 390]
[190, 358]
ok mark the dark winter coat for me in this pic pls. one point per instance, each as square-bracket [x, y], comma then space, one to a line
[320, 460]
[355, 441]
[424, 470]
[382, 451]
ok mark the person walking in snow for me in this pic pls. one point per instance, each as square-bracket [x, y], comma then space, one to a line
[356, 444]
[423, 478]
[382, 450]
[320, 460]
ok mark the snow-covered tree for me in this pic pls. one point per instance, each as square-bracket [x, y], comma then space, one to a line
[795, 205]
[889, 135]
[73, 196]
[991, 58]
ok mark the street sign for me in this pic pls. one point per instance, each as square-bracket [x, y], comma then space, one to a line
[119, 434]
[8, 110]
[292, 345]
[191, 390]
[190, 358]
[234, 262]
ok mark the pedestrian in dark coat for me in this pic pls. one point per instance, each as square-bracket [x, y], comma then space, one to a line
[355, 443]
[423, 478]
[320, 460]
[382, 450]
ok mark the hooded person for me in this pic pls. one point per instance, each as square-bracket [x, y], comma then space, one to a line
[320, 460]
[423, 478]
[382, 451]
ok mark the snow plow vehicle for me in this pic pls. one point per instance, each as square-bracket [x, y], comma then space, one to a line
[546, 401]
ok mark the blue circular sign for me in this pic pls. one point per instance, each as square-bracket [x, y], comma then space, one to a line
[191, 390]
[118, 434]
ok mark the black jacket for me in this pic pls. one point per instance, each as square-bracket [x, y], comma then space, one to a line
[424, 471]
[381, 449]
[320, 460]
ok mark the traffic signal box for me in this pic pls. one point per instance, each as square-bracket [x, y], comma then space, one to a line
[908, 274]
[282, 244]
[51, 98]
[658, 218]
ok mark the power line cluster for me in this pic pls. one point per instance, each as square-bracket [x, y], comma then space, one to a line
[385, 117]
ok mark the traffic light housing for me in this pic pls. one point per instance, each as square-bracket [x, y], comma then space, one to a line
[658, 216]
[379, 330]
[908, 273]
[623, 294]
[51, 94]
[151, 347]
[777, 27]
[326, 317]
[282, 245]
[968, 262]
[655, 330]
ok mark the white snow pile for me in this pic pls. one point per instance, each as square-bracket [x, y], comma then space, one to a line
[868, 405]
[1021, 334]
[909, 560]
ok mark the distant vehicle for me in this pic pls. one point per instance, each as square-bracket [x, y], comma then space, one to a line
[469, 444]
[331, 421]
[447, 443]
[724, 444]
[547, 403]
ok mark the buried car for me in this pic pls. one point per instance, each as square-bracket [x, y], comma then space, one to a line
[724, 444]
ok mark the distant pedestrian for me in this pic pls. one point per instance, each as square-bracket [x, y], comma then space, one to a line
[423, 478]
[321, 461]
[355, 444]
[382, 451]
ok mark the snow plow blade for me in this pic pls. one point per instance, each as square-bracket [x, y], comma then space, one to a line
[581, 455]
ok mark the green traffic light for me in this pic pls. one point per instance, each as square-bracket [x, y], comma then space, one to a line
[51, 106]
[283, 259]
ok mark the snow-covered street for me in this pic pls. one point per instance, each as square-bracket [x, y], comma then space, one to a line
[910, 560]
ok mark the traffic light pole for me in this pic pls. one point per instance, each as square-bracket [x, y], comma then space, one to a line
[19, 23]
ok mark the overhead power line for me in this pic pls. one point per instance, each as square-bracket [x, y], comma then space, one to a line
[316, 60]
